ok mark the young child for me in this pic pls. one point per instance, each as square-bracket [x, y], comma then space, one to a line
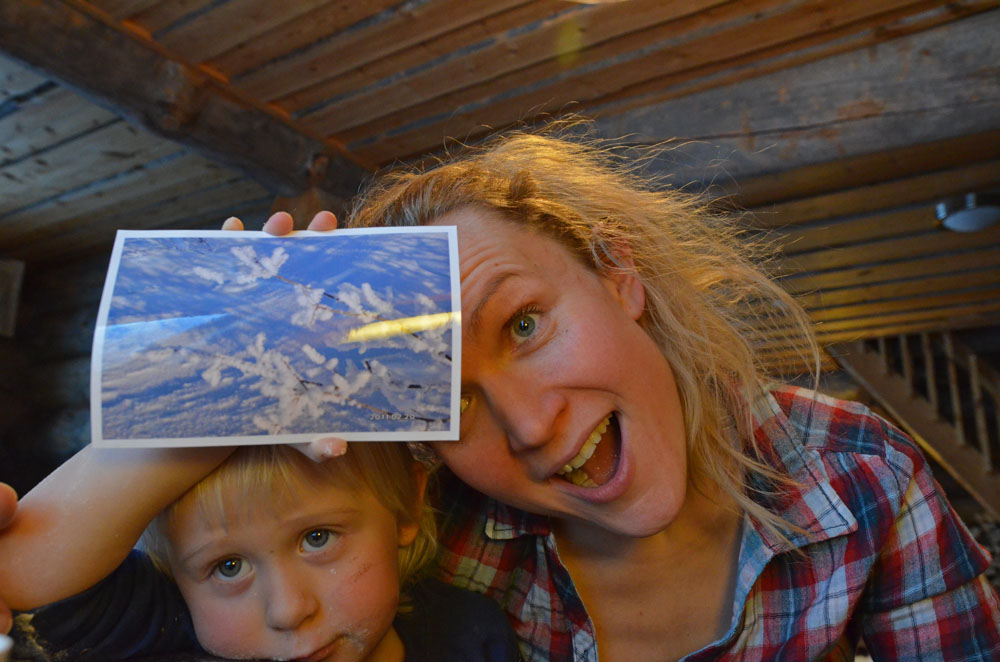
[274, 556]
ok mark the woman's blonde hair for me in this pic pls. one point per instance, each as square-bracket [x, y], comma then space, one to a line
[709, 306]
[386, 469]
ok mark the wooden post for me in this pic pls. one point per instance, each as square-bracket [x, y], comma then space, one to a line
[907, 359]
[956, 396]
[979, 410]
[883, 354]
[931, 376]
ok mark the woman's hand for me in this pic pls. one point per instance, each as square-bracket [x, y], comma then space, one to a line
[281, 223]
[8, 508]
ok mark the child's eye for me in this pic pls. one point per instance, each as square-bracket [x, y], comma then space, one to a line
[523, 325]
[230, 568]
[316, 539]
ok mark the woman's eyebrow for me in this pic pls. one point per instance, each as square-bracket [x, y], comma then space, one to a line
[475, 319]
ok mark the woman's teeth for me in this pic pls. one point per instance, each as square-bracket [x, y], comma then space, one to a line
[572, 471]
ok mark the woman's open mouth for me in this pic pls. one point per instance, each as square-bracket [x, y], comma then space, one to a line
[597, 460]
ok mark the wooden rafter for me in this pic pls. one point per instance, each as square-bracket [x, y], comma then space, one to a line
[125, 70]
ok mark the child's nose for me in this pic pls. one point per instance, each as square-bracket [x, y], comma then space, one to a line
[290, 600]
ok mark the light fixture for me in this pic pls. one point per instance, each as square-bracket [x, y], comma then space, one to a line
[970, 212]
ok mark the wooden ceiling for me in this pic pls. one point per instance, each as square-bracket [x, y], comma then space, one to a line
[840, 123]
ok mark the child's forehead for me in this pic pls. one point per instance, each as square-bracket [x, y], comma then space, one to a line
[271, 496]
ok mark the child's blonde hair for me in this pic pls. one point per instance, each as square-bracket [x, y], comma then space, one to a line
[386, 469]
[708, 305]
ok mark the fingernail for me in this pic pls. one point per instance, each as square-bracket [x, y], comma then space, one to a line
[333, 447]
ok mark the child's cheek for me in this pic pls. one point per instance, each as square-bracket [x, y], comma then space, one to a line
[225, 630]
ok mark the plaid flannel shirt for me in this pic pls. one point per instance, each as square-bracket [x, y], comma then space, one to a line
[886, 557]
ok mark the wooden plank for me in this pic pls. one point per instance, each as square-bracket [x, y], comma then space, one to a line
[930, 372]
[559, 40]
[374, 40]
[910, 190]
[594, 83]
[979, 414]
[799, 111]
[954, 389]
[974, 320]
[870, 227]
[549, 85]
[978, 257]
[919, 303]
[161, 15]
[902, 320]
[296, 35]
[229, 25]
[135, 190]
[112, 150]
[149, 211]
[16, 79]
[864, 169]
[896, 289]
[48, 120]
[253, 211]
[394, 65]
[190, 210]
[79, 45]
[843, 33]
[889, 249]
[123, 9]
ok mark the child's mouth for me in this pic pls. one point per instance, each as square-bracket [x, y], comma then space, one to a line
[597, 460]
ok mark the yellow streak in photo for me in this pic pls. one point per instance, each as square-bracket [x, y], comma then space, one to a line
[398, 327]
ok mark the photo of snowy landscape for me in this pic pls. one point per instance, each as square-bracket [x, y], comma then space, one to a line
[215, 337]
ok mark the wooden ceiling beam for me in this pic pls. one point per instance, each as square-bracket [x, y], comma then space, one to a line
[467, 40]
[889, 249]
[916, 305]
[897, 193]
[354, 48]
[561, 40]
[978, 257]
[847, 296]
[864, 170]
[870, 227]
[959, 319]
[134, 76]
[672, 59]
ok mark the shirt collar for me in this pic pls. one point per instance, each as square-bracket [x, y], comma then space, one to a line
[506, 523]
[789, 439]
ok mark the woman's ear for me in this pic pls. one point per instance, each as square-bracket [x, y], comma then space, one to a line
[622, 277]
[409, 529]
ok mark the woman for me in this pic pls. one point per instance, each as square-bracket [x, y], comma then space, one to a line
[636, 489]
[627, 482]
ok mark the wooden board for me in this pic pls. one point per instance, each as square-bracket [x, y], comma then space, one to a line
[562, 40]
[110, 151]
[46, 121]
[349, 49]
[925, 87]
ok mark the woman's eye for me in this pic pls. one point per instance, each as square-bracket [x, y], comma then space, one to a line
[316, 539]
[230, 568]
[524, 325]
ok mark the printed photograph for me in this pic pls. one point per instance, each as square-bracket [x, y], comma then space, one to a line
[211, 338]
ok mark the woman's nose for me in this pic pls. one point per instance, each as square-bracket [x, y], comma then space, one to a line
[529, 413]
[291, 601]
